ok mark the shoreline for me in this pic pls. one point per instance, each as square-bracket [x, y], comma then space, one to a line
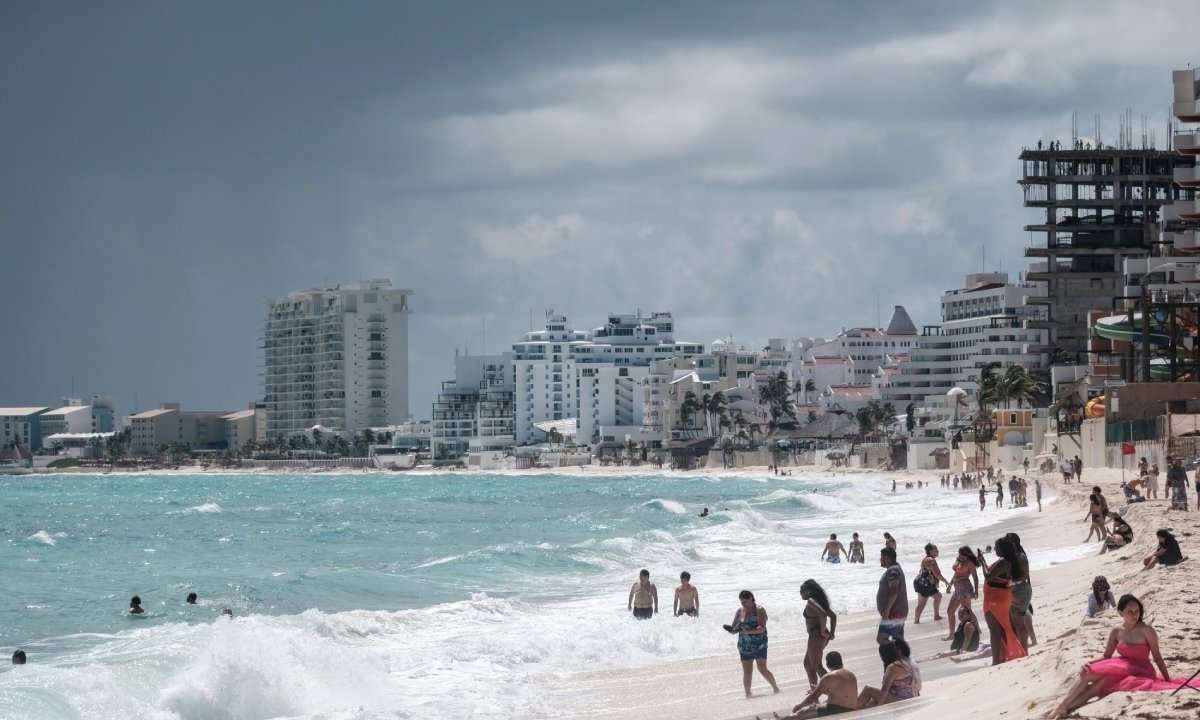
[1025, 688]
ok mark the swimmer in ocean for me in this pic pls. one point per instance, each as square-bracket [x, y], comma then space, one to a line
[191, 598]
[687, 597]
[856, 549]
[135, 606]
[19, 657]
[834, 550]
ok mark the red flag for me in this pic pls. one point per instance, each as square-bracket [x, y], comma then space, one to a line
[1128, 449]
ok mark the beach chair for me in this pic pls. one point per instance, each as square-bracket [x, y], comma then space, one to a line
[1188, 684]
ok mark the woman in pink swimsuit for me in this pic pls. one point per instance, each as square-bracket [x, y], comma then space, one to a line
[1135, 644]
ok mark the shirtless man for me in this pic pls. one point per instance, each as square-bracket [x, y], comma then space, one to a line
[687, 597]
[643, 597]
[834, 550]
[839, 684]
[982, 497]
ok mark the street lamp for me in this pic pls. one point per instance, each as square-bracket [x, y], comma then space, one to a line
[1146, 311]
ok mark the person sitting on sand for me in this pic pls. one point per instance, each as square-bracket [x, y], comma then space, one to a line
[1167, 553]
[687, 597]
[135, 606]
[839, 685]
[1100, 596]
[966, 637]
[1120, 536]
[898, 681]
[834, 550]
[1135, 643]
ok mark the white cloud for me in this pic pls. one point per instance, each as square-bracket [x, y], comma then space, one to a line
[532, 240]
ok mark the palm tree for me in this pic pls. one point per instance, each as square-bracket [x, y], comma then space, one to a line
[554, 436]
[369, 436]
[317, 437]
[1019, 383]
[809, 387]
[713, 405]
[990, 392]
[688, 409]
[910, 422]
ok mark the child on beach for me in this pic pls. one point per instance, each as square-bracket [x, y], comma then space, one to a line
[1100, 596]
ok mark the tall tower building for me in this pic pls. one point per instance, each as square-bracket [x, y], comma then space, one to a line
[337, 357]
[1100, 205]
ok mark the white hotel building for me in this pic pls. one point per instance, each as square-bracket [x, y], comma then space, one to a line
[337, 357]
[476, 405]
[981, 324]
[595, 377]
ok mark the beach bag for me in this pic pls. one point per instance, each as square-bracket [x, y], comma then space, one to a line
[924, 584]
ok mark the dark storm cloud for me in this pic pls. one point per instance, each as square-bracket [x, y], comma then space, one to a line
[770, 169]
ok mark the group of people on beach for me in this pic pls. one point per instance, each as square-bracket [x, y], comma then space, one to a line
[1005, 634]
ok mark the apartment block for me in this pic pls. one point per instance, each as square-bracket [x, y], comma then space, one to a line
[476, 405]
[337, 357]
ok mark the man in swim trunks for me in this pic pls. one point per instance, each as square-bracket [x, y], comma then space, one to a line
[687, 597]
[643, 597]
[839, 684]
[834, 550]
[892, 599]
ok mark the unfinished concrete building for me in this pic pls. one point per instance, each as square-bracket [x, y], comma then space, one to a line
[1101, 206]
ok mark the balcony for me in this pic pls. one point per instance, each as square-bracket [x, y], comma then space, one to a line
[1188, 142]
[1184, 241]
[1187, 176]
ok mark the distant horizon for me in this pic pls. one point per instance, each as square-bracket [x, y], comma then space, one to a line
[768, 169]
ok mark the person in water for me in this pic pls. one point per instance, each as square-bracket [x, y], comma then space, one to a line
[191, 598]
[840, 687]
[889, 541]
[18, 657]
[857, 553]
[834, 550]
[643, 597]
[704, 512]
[1135, 643]
[135, 606]
[816, 613]
[227, 613]
[687, 597]
[750, 625]
[1167, 553]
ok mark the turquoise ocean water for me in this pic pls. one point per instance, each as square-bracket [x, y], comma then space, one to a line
[378, 595]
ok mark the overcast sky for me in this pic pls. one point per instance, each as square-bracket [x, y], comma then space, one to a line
[766, 169]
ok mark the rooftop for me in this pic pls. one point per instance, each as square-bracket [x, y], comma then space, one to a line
[22, 410]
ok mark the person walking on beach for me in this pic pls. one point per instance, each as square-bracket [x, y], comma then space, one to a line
[834, 550]
[1037, 492]
[1022, 595]
[840, 687]
[982, 497]
[750, 624]
[643, 597]
[999, 495]
[997, 602]
[687, 597]
[1097, 528]
[816, 612]
[964, 585]
[927, 584]
[891, 600]
[1077, 466]
[857, 554]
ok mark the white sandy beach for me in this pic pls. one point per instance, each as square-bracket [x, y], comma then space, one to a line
[711, 687]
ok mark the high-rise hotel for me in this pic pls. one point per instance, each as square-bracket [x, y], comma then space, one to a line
[337, 357]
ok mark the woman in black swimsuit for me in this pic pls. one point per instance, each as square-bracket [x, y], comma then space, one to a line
[1095, 512]
[1167, 553]
[815, 613]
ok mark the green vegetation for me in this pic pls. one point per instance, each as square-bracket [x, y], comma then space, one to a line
[64, 463]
